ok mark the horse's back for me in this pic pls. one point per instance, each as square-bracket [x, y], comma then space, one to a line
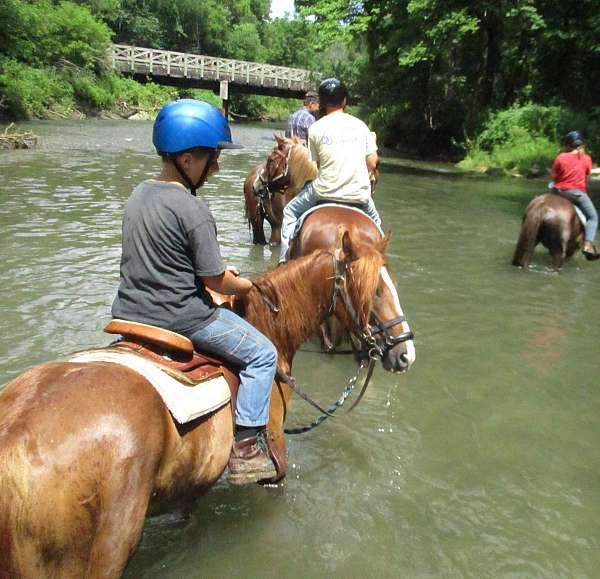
[74, 439]
[552, 204]
[320, 229]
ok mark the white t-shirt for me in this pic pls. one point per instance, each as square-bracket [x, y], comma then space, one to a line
[339, 144]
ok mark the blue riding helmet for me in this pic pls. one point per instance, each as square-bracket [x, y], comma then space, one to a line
[574, 139]
[188, 123]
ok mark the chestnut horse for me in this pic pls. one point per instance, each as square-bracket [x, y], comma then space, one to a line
[272, 184]
[320, 231]
[552, 221]
[87, 448]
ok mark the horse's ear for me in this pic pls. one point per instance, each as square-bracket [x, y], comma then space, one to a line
[348, 245]
[385, 241]
[279, 138]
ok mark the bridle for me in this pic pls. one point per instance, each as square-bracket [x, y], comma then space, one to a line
[375, 341]
[375, 338]
[265, 186]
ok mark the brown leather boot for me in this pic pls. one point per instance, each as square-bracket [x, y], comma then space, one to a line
[250, 461]
[590, 251]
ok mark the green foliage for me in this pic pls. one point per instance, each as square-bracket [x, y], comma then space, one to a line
[448, 63]
[506, 126]
[30, 92]
[91, 94]
[262, 107]
[43, 33]
[148, 96]
[244, 43]
[523, 136]
[517, 155]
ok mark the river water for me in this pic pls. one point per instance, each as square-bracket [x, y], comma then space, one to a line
[483, 461]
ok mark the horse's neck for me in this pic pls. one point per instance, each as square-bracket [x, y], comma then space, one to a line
[307, 171]
[303, 293]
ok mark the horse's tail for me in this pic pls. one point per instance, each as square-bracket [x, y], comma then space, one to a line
[528, 238]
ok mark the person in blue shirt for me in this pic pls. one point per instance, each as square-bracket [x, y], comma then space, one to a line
[303, 118]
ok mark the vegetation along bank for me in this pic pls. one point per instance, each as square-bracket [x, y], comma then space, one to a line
[494, 84]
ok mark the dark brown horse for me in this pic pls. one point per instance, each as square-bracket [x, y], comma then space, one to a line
[272, 184]
[552, 221]
[320, 230]
[87, 448]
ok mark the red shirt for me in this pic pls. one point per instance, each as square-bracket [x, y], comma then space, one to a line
[570, 171]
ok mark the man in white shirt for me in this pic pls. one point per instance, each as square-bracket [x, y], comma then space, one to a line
[346, 153]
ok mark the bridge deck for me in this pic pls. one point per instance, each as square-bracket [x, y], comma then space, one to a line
[194, 70]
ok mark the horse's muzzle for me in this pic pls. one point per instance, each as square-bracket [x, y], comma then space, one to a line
[397, 359]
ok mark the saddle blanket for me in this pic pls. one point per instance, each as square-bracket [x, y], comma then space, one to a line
[578, 211]
[300, 221]
[580, 214]
[185, 403]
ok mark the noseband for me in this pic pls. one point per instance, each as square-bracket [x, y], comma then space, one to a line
[375, 338]
[265, 185]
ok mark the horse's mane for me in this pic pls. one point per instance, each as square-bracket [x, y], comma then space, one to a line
[300, 312]
[301, 168]
[286, 287]
[364, 279]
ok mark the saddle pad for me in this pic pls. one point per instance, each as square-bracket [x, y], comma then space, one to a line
[185, 403]
[580, 214]
[300, 221]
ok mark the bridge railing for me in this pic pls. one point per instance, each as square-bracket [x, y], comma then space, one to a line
[178, 64]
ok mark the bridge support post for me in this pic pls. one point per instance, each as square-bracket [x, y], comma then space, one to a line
[224, 94]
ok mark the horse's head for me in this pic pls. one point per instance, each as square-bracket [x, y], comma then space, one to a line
[298, 167]
[368, 302]
[275, 176]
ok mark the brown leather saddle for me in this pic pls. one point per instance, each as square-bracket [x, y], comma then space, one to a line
[172, 352]
[175, 354]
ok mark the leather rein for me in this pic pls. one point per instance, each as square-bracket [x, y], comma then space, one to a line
[376, 340]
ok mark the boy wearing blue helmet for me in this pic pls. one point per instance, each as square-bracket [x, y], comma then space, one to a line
[170, 256]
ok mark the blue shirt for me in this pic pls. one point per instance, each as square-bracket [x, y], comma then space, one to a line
[298, 124]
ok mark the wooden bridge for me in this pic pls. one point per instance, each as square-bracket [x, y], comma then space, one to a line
[198, 71]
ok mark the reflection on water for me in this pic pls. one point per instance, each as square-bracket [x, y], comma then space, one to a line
[483, 461]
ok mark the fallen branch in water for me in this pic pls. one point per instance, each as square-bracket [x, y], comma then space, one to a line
[11, 139]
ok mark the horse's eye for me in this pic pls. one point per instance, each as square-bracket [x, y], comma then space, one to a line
[378, 292]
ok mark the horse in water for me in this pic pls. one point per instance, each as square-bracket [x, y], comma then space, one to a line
[320, 230]
[272, 184]
[87, 448]
[552, 221]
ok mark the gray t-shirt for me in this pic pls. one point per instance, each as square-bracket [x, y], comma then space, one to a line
[169, 240]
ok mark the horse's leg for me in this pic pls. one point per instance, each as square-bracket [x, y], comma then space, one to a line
[557, 246]
[280, 398]
[254, 214]
[325, 337]
[275, 217]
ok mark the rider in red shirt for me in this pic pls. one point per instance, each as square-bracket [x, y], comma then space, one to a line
[569, 173]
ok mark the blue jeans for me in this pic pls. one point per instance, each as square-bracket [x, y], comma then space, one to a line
[235, 340]
[583, 201]
[305, 200]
